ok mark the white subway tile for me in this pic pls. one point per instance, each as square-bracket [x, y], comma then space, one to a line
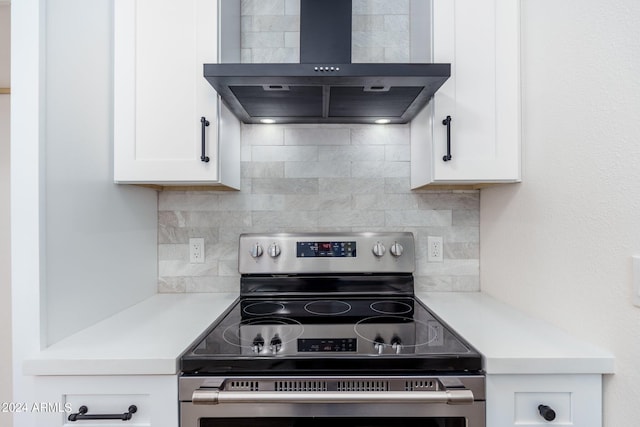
[173, 252]
[317, 136]
[284, 153]
[381, 135]
[396, 23]
[285, 186]
[351, 218]
[270, 219]
[264, 170]
[418, 218]
[292, 40]
[455, 267]
[212, 284]
[363, 55]
[228, 269]
[466, 217]
[275, 55]
[352, 185]
[397, 54]
[292, 7]
[269, 202]
[172, 235]
[255, 40]
[324, 169]
[351, 153]
[262, 135]
[275, 23]
[364, 23]
[395, 153]
[262, 7]
[171, 285]
[381, 7]
[179, 268]
[217, 218]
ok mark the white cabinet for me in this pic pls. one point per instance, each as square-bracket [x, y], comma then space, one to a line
[160, 96]
[154, 396]
[513, 400]
[481, 41]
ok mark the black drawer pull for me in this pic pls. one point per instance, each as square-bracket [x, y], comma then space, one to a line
[546, 412]
[82, 415]
[447, 123]
[205, 123]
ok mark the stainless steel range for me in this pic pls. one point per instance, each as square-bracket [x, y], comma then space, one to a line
[327, 329]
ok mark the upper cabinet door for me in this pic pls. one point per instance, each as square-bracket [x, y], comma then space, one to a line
[481, 40]
[160, 96]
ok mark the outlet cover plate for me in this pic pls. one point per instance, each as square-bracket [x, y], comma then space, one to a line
[435, 249]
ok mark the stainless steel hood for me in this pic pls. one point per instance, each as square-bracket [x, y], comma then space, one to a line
[326, 87]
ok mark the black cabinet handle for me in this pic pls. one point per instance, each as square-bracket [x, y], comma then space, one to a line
[205, 123]
[546, 412]
[82, 415]
[447, 123]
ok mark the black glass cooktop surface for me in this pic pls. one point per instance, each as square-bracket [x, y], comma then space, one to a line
[316, 334]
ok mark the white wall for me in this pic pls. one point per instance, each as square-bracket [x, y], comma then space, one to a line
[87, 247]
[5, 243]
[101, 238]
[559, 245]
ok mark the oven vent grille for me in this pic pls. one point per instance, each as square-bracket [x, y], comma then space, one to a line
[420, 385]
[363, 386]
[242, 386]
[300, 386]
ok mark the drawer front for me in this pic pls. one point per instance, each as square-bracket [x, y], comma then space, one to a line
[155, 398]
[567, 400]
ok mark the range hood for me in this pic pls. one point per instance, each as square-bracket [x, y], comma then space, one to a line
[325, 87]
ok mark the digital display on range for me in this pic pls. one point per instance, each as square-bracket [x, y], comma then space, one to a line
[326, 249]
[312, 345]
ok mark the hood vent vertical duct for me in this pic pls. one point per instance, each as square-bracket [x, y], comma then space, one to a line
[326, 87]
[325, 31]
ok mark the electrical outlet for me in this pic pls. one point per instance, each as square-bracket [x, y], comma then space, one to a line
[434, 249]
[196, 250]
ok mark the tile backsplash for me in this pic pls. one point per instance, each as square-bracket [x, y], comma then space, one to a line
[270, 31]
[318, 178]
[298, 178]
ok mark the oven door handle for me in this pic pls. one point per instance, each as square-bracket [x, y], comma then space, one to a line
[215, 396]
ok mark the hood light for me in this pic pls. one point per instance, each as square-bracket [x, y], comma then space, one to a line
[382, 121]
[267, 121]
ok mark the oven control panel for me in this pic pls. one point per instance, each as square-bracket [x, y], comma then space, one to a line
[308, 253]
[271, 338]
[326, 249]
[336, 345]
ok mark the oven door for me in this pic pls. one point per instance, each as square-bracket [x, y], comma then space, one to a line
[337, 402]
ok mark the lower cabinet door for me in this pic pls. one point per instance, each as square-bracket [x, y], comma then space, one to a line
[106, 401]
[544, 400]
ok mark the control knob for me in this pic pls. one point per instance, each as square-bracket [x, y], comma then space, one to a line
[396, 344]
[276, 344]
[256, 250]
[274, 250]
[258, 344]
[396, 249]
[378, 344]
[378, 249]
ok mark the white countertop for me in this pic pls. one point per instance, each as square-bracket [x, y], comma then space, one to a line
[148, 338]
[512, 342]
